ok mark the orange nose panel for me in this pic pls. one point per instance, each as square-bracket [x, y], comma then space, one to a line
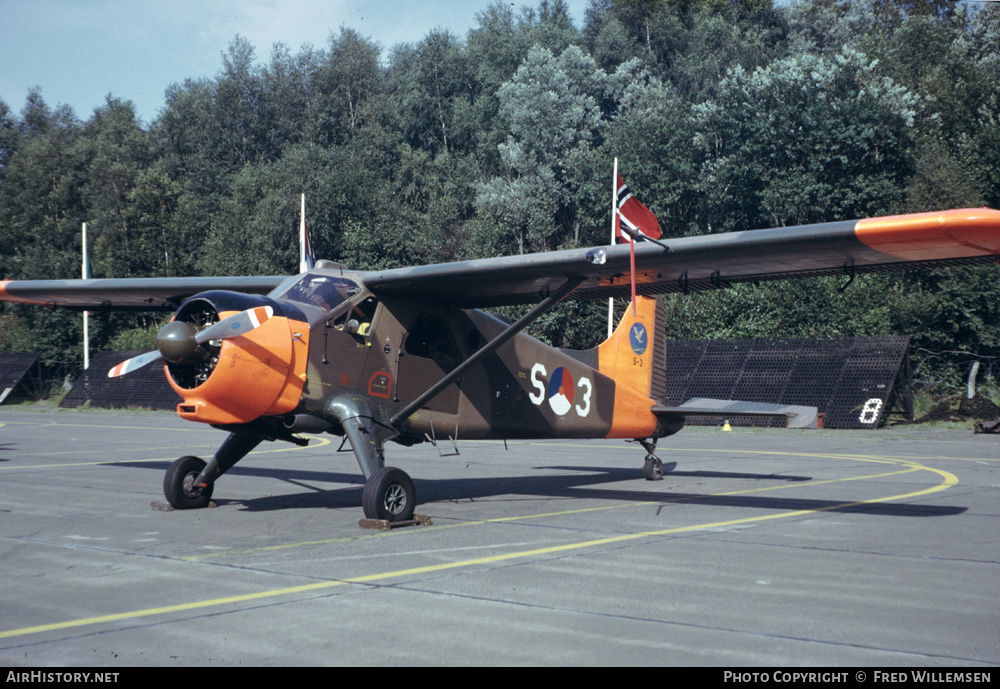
[258, 374]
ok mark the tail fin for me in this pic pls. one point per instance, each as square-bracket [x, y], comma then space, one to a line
[636, 353]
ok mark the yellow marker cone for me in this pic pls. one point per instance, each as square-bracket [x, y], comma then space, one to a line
[726, 426]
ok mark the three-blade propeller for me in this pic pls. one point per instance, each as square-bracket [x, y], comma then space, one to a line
[179, 341]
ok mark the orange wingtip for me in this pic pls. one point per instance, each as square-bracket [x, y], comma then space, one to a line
[6, 296]
[959, 233]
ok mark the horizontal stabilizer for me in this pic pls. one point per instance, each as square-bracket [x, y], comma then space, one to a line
[797, 416]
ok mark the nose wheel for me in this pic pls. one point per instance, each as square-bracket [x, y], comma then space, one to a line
[179, 486]
[389, 494]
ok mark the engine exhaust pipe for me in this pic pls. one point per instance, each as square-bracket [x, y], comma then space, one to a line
[306, 423]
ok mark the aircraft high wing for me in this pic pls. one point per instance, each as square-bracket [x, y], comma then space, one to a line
[689, 264]
[405, 354]
[710, 261]
[127, 294]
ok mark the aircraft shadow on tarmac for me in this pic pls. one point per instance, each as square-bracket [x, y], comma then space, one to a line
[587, 484]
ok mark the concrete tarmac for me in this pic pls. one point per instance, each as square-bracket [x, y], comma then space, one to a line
[761, 548]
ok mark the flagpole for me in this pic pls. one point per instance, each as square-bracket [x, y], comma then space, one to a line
[614, 216]
[302, 236]
[85, 273]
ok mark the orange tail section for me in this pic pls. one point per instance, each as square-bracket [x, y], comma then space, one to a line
[635, 358]
[637, 349]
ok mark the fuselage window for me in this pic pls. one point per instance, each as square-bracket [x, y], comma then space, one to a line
[430, 338]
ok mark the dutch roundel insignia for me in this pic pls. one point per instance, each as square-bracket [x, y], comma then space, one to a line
[561, 391]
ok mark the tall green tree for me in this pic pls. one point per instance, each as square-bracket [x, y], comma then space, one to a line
[806, 139]
[41, 211]
[41, 204]
[654, 135]
[113, 150]
[552, 106]
[435, 91]
[9, 136]
[346, 80]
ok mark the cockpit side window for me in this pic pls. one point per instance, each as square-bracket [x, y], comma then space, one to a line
[358, 320]
[320, 290]
[430, 338]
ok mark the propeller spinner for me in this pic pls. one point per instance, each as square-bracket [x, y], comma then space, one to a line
[180, 341]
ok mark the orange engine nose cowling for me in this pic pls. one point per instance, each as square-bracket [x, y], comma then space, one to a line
[259, 373]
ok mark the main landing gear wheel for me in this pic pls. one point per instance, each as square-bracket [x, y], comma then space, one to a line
[652, 468]
[179, 488]
[389, 494]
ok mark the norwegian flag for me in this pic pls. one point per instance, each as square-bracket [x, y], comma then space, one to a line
[634, 216]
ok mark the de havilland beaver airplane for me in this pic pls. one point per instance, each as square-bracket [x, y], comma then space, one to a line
[407, 355]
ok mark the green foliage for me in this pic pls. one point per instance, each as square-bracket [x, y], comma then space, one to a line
[9, 136]
[654, 136]
[434, 93]
[338, 88]
[807, 139]
[552, 105]
[807, 308]
[15, 334]
[41, 205]
[953, 309]
[138, 338]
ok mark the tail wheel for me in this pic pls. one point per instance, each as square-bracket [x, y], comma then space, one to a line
[389, 494]
[653, 468]
[179, 487]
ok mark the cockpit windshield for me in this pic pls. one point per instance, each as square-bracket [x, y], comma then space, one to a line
[319, 290]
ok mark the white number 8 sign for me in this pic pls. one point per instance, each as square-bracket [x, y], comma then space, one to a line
[869, 413]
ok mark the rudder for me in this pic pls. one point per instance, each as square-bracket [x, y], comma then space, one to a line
[635, 354]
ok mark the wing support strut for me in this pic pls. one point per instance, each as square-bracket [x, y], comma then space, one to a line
[519, 325]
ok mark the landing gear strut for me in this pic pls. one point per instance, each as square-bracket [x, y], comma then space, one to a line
[389, 493]
[189, 482]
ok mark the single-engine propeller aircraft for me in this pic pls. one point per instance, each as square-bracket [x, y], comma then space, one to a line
[407, 355]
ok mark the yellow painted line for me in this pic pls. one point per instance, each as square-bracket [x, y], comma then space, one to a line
[283, 546]
[540, 515]
[111, 462]
[698, 497]
[561, 513]
[918, 458]
[670, 451]
[949, 480]
[91, 452]
[390, 534]
[184, 429]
